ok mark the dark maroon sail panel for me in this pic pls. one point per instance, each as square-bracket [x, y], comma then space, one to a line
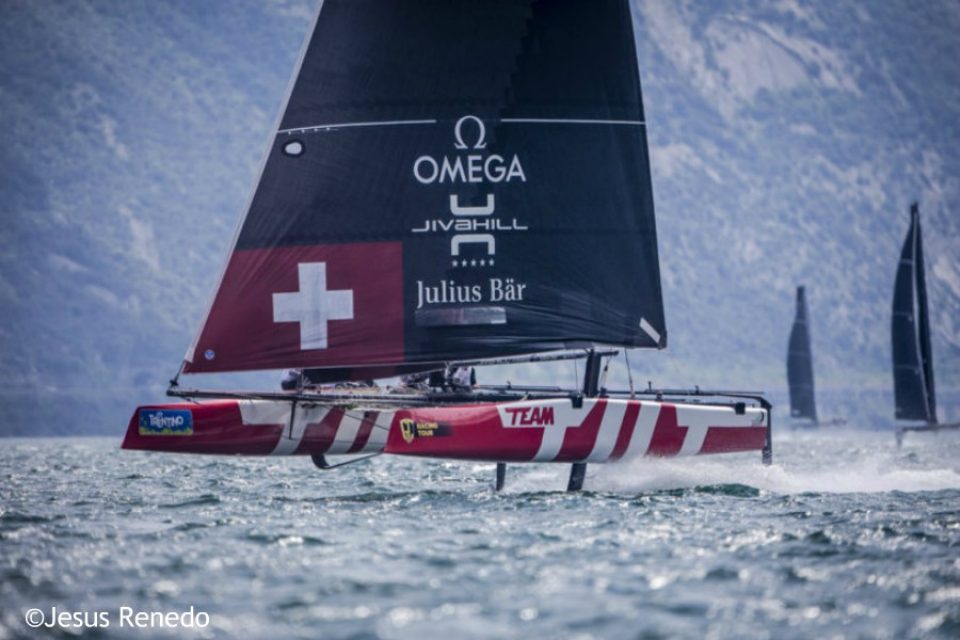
[451, 179]
[301, 305]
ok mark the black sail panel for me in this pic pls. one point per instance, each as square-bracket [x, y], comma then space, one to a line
[910, 332]
[800, 364]
[451, 179]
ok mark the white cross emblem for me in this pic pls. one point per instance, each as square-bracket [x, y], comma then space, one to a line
[313, 306]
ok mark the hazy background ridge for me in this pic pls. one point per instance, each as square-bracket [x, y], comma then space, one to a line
[787, 139]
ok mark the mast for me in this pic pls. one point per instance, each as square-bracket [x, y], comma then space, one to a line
[800, 364]
[913, 383]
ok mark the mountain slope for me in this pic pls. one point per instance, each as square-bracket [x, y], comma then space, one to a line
[787, 142]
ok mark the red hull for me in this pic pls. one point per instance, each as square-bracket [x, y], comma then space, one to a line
[602, 430]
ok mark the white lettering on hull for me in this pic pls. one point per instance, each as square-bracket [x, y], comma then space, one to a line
[262, 413]
[609, 430]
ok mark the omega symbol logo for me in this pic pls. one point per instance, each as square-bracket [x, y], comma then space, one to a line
[482, 133]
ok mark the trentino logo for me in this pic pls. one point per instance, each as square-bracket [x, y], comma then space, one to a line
[166, 422]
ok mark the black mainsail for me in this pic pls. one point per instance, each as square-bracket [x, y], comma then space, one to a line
[800, 364]
[450, 180]
[910, 332]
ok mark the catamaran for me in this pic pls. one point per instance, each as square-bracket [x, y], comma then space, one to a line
[449, 184]
[913, 387]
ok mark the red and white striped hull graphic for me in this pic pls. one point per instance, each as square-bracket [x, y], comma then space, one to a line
[601, 430]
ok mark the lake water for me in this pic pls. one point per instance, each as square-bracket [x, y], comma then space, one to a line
[844, 536]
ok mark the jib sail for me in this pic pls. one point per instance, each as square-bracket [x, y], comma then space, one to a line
[910, 330]
[451, 179]
[800, 364]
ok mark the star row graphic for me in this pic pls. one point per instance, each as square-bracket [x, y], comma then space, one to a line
[473, 263]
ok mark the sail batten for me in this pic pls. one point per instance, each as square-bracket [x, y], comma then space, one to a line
[450, 180]
[914, 390]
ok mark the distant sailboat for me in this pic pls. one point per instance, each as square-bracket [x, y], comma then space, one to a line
[803, 403]
[913, 385]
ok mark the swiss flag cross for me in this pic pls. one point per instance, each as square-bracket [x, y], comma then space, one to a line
[306, 306]
[313, 306]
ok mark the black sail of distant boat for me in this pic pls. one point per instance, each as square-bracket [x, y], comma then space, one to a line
[450, 180]
[913, 385]
[800, 364]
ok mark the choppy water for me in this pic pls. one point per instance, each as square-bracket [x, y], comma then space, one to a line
[844, 536]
